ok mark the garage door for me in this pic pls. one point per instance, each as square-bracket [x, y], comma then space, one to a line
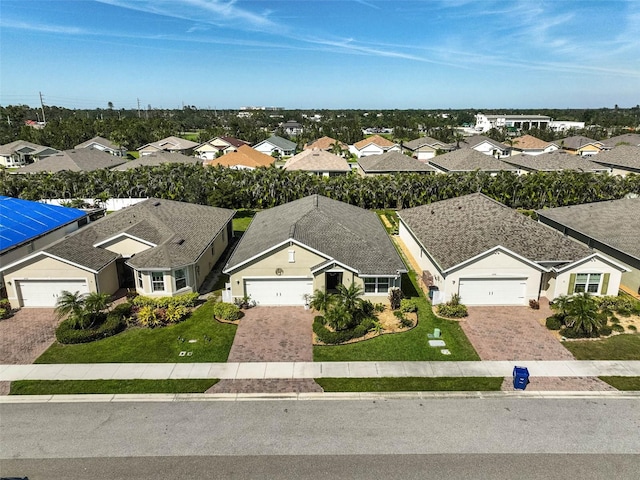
[285, 291]
[493, 291]
[44, 293]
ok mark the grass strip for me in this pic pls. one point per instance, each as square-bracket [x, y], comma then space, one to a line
[411, 384]
[616, 347]
[623, 383]
[77, 387]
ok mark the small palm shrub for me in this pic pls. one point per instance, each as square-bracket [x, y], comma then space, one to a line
[226, 311]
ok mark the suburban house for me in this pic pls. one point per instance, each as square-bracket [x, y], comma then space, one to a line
[81, 160]
[622, 160]
[374, 145]
[314, 243]
[392, 162]
[469, 160]
[530, 145]
[490, 254]
[291, 127]
[580, 145]
[158, 247]
[217, 147]
[484, 123]
[276, 145]
[425, 148]
[244, 158]
[611, 228]
[100, 143]
[326, 143]
[554, 162]
[20, 153]
[169, 144]
[26, 226]
[485, 145]
[632, 139]
[318, 162]
[157, 158]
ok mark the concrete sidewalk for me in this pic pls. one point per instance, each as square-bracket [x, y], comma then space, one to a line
[291, 370]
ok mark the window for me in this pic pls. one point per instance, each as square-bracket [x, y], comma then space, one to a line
[292, 256]
[181, 278]
[157, 281]
[139, 279]
[587, 282]
[376, 285]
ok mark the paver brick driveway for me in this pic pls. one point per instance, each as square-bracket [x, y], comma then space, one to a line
[26, 335]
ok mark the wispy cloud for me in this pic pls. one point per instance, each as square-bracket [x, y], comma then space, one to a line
[368, 4]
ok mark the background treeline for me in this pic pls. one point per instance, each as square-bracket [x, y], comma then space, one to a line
[264, 188]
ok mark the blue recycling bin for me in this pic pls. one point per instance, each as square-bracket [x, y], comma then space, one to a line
[520, 378]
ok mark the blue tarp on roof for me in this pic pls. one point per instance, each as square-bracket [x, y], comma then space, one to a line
[23, 220]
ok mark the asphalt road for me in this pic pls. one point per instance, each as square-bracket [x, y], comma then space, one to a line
[411, 438]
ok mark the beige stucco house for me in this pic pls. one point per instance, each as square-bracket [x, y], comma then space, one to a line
[490, 254]
[158, 247]
[314, 243]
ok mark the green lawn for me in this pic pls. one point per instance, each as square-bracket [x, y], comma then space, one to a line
[407, 346]
[76, 387]
[159, 345]
[242, 219]
[617, 347]
[623, 383]
[410, 384]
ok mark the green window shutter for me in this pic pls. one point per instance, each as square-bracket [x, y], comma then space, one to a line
[605, 284]
[572, 283]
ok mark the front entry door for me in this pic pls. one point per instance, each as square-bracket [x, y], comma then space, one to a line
[332, 280]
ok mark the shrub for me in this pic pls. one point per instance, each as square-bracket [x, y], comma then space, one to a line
[605, 331]
[573, 333]
[614, 319]
[110, 325]
[534, 304]
[148, 317]
[175, 313]
[379, 307]
[366, 309]
[395, 296]
[320, 319]
[5, 308]
[226, 311]
[408, 305]
[633, 328]
[616, 327]
[553, 323]
[4, 313]
[185, 300]
[332, 338]
[452, 311]
[122, 310]
[131, 294]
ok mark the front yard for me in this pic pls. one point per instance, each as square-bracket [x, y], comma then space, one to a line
[618, 347]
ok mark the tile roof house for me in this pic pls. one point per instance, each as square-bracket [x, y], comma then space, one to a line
[81, 160]
[622, 160]
[20, 153]
[160, 247]
[218, 146]
[632, 139]
[392, 162]
[325, 143]
[425, 148]
[100, 143]
[373, 145]
[244, 158]
[319, 162]
[485, 145]
[611, 228]
[274, 144]
[554, 162]
[169, 144]
[580, 145]
[469, 160]
[157, 158]
[530, 145]
[490, 254]
[314, 243]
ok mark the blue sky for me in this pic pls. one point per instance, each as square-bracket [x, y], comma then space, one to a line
[321, 54]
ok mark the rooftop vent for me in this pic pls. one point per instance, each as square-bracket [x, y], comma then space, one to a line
[179, 241]
[156, 204]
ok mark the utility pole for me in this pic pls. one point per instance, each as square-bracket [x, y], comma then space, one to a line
[138, 108]
[44, 119]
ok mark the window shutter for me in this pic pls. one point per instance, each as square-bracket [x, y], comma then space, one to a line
[572, 283]
[605, 284]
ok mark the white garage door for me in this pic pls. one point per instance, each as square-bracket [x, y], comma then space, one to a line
[44, 293]
[493, 291]
[285, 291]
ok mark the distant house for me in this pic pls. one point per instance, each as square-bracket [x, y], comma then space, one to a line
[485, 145]
[554, 162]
[469, 160]
[244, 158]
[278, 145]
[392, 162]
[326, 143]
[530, 145]
[484, 123]
[218, 146]
[425, 148]
[81, 160]
[632, 139]
[107, 146]
[318, 162]
[622, 160]
[374, 145]
[169, 144]
[157, 158]
[20, 153]
[581, 145]
[292, 128]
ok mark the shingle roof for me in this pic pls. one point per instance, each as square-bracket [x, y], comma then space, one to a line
[161, 222]
[576, 142]
[279, 142]
[171, 144]
[469, 160]
[555, 161]
[624, 139]
[317, 160]
[12, 147]
[529, 142]
[375, 139]
[157, 158]
[245, 156]
[475, 140]
[390, 162]
[459, 229]
[81, 160]
[422, 141]
[350, 235]
[624, 157]
[100, 140]
[325, 143]
[615, 223]
[23, 220]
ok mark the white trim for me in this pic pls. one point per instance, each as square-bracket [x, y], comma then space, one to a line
[334, 262]
[127, 235]
[272, 277]
[497, 248]
[47, 254]
[620, 267]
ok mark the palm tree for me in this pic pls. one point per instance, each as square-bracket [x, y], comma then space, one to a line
[320, 301]
[350, 297]
[583, 314]
[71, 305]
